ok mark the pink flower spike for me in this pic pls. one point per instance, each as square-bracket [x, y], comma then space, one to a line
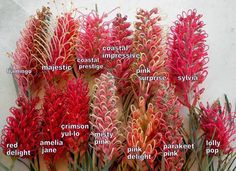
[187, 57]
[104, 121]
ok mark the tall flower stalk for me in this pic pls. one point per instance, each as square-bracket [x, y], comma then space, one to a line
[121, 67]
[60, 49]
[94, 35]
[144, 132]
[54, 111]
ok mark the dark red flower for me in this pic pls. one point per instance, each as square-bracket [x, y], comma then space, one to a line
[22, 128]
[187, 56]
[77, 113]
[218, 124]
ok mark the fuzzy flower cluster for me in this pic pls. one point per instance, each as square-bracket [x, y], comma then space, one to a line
[167, 103]
[144, 131]
[94, 35]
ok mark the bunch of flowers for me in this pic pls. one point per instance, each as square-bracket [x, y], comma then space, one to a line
[134, 110]
[94, 35]
[77, 112]
[121, 68]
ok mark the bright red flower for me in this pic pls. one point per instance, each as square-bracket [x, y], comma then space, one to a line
[187, 56]
[22, 128]
[218, 124]
[77, 113]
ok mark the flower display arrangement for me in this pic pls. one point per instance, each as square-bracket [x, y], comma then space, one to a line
[103, 94]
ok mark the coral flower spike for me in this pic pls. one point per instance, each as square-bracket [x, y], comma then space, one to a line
[187, 56]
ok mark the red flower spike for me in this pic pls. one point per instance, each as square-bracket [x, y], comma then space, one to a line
[104, 119]
[77, 107]
[218, 124]
[21, 127]
[187, 57]
[148, 43]
[121, 68]
[54, 111]
[62, 47]
[94, 35]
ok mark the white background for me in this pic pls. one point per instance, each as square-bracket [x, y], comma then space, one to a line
[219, 17]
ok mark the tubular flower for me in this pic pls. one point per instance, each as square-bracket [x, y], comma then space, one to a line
[61, 52]
[187, 57]
[77, 113]
[148, 43]
[167, 103]
[104, 122]
[94, 35]
[53, 116]
[218, 124]
[26, 53]
[145, 133]
[20, 128]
